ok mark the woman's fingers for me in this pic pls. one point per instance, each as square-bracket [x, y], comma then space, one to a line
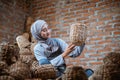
[72, 46]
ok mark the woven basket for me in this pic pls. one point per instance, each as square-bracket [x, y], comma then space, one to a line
[25, 51]
[9, 53]
[95, 77]
[74, 73]
[19, 71]
[99, 70]
[6, 77]
[111, 72]
[112, 58]
[78, 33]
[28, 59]
[22, 42]
[43, 71]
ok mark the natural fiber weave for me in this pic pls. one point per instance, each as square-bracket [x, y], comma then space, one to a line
[3, 65]
[110, 70]
[95, 77]
[44, 72]
[6, 77]
[22, 42]
[19, 71]
[9, 53]
[78, 33]
[25, 51]
[28, 59]
[74, 73]
[112, 58]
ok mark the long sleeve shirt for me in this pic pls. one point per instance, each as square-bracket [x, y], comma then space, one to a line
[54, 56]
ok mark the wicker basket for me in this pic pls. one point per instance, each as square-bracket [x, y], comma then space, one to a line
[74, 73]
[43, 71]
[28, 59]
[19, 71]
[112, 58]
[78, 33]
[95, 77]
[9, 53]
[22, 42]
[111, 72]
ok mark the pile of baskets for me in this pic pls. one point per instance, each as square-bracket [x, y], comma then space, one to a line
[110, 69]
[13, 66]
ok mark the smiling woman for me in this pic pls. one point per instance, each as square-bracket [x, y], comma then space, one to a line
[52, 50]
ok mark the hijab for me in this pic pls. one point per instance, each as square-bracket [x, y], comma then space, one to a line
[35, 31]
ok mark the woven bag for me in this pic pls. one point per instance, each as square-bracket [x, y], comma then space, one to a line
[44, 72]
[74, 73]
[78, 33]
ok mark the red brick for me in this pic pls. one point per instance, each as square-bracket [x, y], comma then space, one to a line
[117, 33]
[95, 63]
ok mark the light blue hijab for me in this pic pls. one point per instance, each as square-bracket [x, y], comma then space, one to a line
[36, 29]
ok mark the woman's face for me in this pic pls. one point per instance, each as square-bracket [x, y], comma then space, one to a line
[45, 32]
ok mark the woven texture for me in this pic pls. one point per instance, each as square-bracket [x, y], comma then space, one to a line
[9, 53]
[78, 33]
[74, 73]
[109, 70]
[28, 59]
[19, 71]
[5, 77]
[43, 71]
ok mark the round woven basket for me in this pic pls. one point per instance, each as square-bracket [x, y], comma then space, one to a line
[44, 72]
[74, 73]
[78, 33]
[19, 71]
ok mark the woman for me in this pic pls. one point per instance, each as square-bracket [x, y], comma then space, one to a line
[52, 50]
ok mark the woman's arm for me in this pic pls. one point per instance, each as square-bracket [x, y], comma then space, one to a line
[71, 50]
[39, 54]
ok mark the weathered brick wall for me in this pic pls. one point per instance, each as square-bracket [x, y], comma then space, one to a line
[101, 16]
[12, 19]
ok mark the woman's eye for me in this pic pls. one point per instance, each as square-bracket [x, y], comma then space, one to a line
[44, 30]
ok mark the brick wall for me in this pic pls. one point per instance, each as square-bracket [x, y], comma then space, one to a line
[101, 16]
[12, 19]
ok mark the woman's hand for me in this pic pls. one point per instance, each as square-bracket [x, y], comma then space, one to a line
[68, 50]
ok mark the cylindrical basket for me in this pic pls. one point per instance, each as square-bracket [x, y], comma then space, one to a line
[74, 73]
[44, 72]
[78, 33]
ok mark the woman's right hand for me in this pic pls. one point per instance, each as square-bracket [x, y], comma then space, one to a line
[68, 50]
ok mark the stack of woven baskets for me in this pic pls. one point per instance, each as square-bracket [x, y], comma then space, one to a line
[15, 67]
[110, 70]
